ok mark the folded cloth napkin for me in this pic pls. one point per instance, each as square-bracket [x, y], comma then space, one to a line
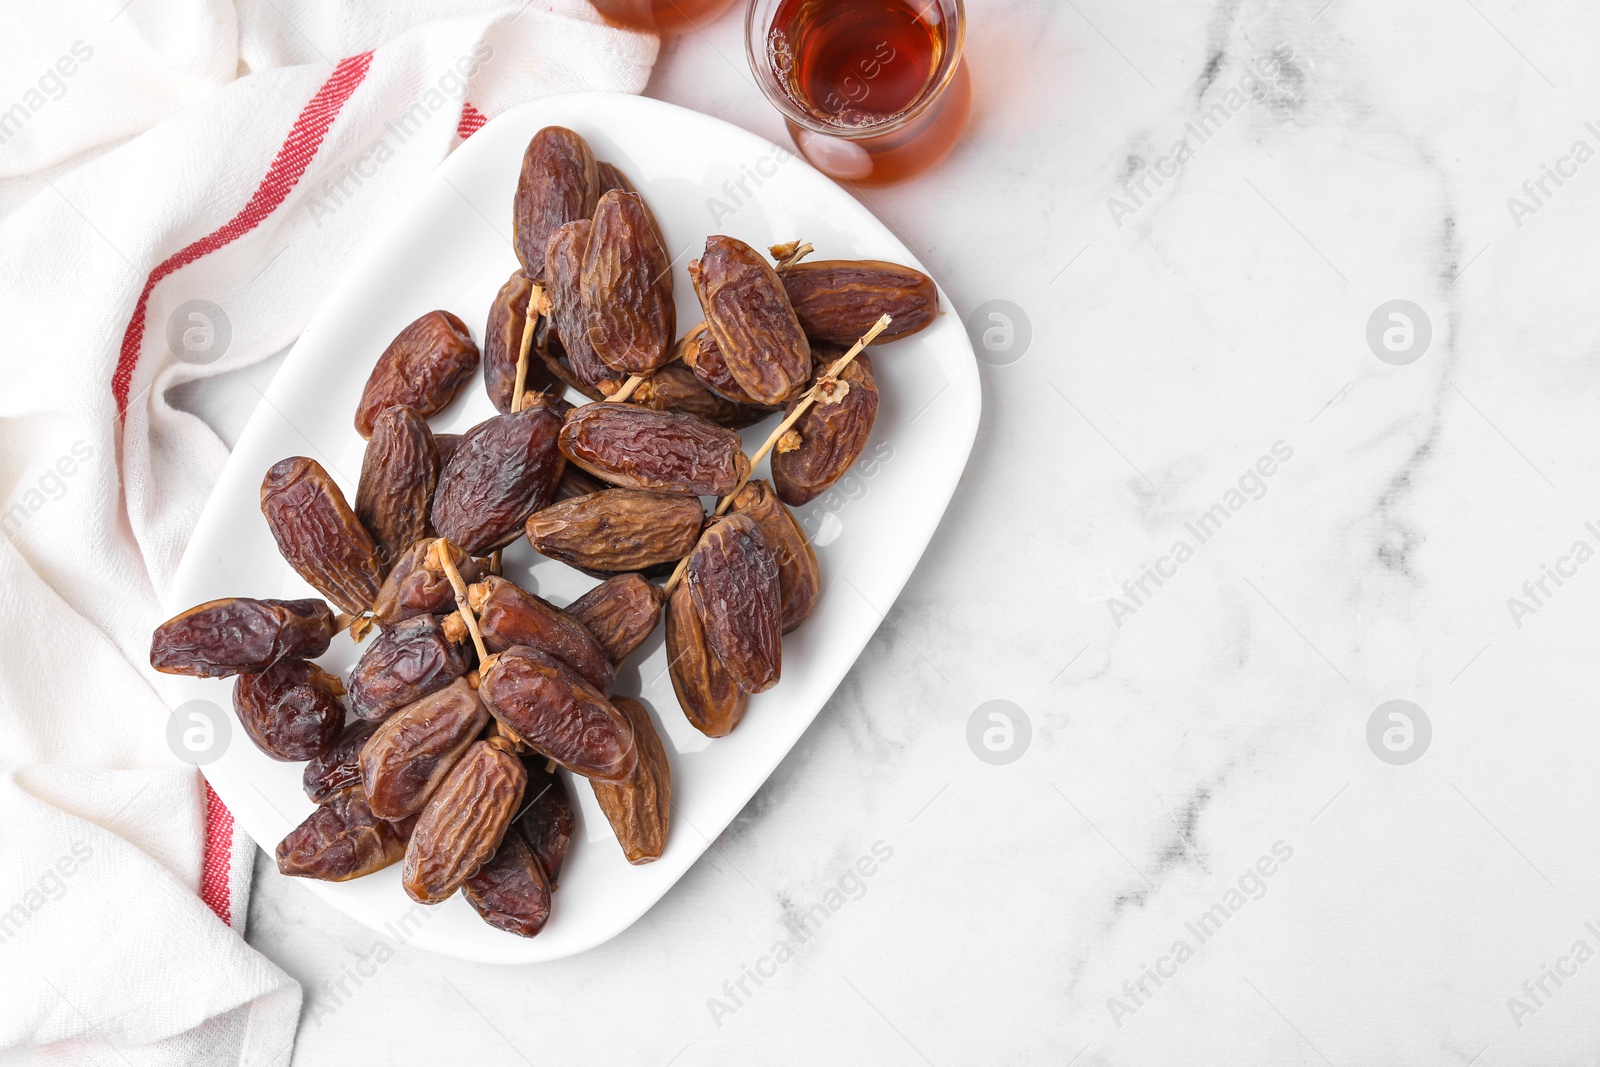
[155, 153]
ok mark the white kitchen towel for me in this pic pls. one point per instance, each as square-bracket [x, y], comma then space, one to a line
[161, 159]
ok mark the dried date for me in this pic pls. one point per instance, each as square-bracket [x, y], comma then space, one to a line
[675, 387]
[502, 344]
[509, 615]
[838, 300]
[559, 182]
[627, 287]
[621, 612]
[342, 840]
[749, 318]
[618, 529]
[702, 356]
[799, 578]
[733, 579]
[320, 535]
[511, 892]
[563, 274]
[829, 437]
[637, 448]
[237, 635]
[464, 821]
[398, 476]
[415, 748]
[417, 584]
[640, 808]
[338, 768]
[424, 367]
[291, 710]
[504, 470]
[546, 819]
[711, 700]
[558, 714]
[405, 663]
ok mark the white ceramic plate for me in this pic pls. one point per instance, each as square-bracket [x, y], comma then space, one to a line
[450, 248]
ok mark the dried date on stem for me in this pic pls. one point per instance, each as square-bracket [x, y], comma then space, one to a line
[799, 577]
[640, 808]
[292, 710]
[319, 534]
[511, 892]
[637, 448]
[416, 747]
[398, 476]
[621, 612]
[340, 767]
[618, 529]
[546, 818]
[504, 470]
[559, 182]
[563, 275]
[509, 615]
[558, 714]
[417, 585]
[733, 579]
[829, 437]
[238, 635]
[710, 698]
[405, 663]
[342, 840]
[838, 300]
[464, 821]
[424, 367]
[676, 388]
[748, 316]
[502, 343]
[702, 356]
[627, 287]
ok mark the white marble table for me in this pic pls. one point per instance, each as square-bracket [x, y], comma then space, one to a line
[1199, 858]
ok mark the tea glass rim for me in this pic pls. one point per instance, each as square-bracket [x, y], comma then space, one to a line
[762, 70]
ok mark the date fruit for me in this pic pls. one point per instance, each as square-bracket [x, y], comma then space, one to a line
[509, 615]
[238, 635]
[424, 367]
[342, 840]
[291, 710]
[637, 448]
[621, 612]
[702, 356]
[504, 470]
[405, 663]
[416, 747]
[417, 584]
[464, 821]
[733, 579]
[511, 892]
[618, 529]
[711, 700]
[502, 343]
[319, 534]
[640, 808]
[546, 819]
[559, 715]
[563, 274]
[675, 387]
[749, 318]
[829, 437]
[838, 300]
[799, 578]
[339, 768]
[559, 182]
[398, 476]
[575, 481]
[626, 287]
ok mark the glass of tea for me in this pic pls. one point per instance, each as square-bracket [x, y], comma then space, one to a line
[873, 91]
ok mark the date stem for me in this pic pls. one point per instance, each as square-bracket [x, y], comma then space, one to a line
[530, 319]
[783, 427]
[441, 549]
[633, 382]
[787, 255]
